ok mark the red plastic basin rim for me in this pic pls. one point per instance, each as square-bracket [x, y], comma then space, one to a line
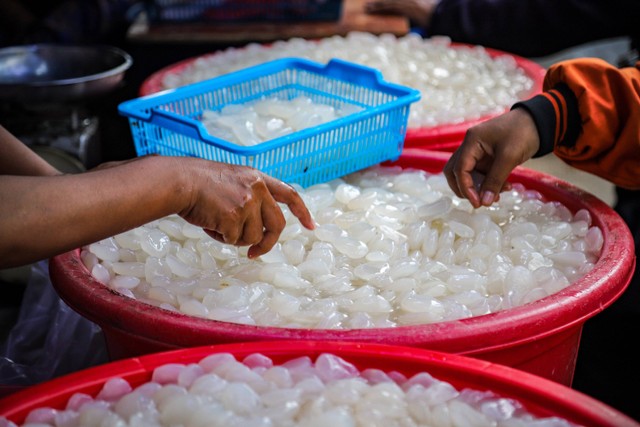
[568, 308]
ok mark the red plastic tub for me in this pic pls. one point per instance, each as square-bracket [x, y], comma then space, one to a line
[541, 337]
[540, 397]
[448, 137]
[438, 138]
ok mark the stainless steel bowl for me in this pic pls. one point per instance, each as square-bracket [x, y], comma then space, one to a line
[49, 72]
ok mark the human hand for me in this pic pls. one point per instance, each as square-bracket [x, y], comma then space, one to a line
[419, 12]
[479, 168]
[238, 204]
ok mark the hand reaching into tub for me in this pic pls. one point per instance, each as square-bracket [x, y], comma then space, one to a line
[588, 116]
[238, 205]
[44, 212]
[479, 168]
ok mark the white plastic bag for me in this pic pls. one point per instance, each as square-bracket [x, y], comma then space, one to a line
[49, 339]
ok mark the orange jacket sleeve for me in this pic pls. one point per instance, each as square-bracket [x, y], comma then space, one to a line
[589, 116]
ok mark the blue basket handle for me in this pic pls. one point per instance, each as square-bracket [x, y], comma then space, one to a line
[344, 70]
[176, 123]
[366, 76]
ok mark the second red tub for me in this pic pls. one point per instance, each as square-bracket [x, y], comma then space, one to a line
[541, 337]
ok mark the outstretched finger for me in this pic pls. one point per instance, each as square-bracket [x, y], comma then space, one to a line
[284, 193]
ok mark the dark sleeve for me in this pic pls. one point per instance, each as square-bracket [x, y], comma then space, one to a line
[557, 118]
[589, 116]
[534, 27]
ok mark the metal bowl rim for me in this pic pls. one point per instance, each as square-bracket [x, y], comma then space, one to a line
[126, 64]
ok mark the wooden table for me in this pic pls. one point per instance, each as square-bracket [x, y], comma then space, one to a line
[353, 18]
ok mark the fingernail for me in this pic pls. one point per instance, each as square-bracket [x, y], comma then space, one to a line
[487, 198]
[251, 254]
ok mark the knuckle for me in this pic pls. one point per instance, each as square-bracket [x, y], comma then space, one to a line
[492, 182]
[252, 236]
[290, 192]
[231, 236]
[472, 134]
[279, 221]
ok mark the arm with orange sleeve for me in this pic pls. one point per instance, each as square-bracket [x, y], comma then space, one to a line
[589, 116]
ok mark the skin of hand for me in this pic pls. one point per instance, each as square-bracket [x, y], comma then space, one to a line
[44, 213]
[253, 218]
[419, 12]
[243, 209]
[479, 168]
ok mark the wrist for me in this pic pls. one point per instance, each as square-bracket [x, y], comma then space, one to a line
[556, 117]
[538, 121]
[528, 131]
[171, 180]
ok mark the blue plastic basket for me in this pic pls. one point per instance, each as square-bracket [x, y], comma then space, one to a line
[168, 123]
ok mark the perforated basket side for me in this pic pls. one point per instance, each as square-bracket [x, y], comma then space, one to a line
[319, 157]
[170, 123]
[337, 152]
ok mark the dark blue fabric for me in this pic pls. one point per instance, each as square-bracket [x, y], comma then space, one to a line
[65, 21]
[534, 27]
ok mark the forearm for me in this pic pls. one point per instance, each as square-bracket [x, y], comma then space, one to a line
[44, 216]
[18, 159]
